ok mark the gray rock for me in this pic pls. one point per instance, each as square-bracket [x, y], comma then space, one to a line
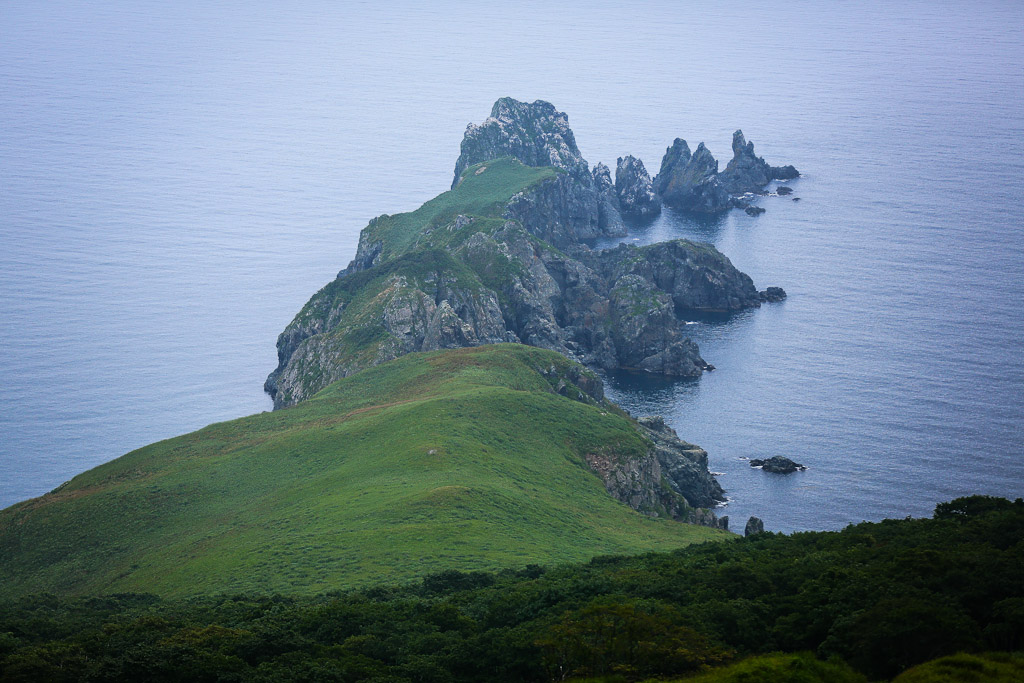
[782, 190]
[693, 183]
[697, 276]
[670, 480]
[754, 526]
[778, 465]
[754, 210]
[685, 466]
[562, 210]
[689, 182]
[635, 190]
[772, 295]
[609, 214]
[747, 172]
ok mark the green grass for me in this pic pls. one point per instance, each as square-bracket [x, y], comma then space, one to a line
[459, 459]
[781, 668]
[992, 667]
[484, 191]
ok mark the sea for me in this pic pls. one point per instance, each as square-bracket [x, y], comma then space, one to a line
[177, 179]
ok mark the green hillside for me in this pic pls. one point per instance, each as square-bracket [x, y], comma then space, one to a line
[869, 603]
[484, 192]
[462, 459]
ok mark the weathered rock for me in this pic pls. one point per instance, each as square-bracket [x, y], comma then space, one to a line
[778, 465]
[689, 182]
[783, 190]
[697, 276]
[609, 218]
[747, 172]
[535, 133]
[635, 190]
[772, 295]
[754, 210]
[754, 526]
[685, 466]
[670, 480]
[562, 210]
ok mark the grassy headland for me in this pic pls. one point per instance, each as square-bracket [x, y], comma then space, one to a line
[462, 459]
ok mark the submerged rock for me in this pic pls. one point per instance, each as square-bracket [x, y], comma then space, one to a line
[778, 465]
[782, 190]
[635, 190]
[754, 210]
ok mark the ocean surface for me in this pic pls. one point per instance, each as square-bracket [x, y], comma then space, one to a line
[177, 179]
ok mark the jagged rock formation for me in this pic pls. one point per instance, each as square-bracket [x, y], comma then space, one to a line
[691, 182]
[754, 526]
[510, 266]
[573, 206]
[748, 172]
[635, 191]
[499, 258]
[617, 308]
[672, 480]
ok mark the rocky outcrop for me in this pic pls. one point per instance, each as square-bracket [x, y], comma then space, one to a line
[748, 172]
[670, 480]
[754, 526]
[564, 210]
[685, 466]
[772, 295]
[692, 182]
[609, 210]
[519, 272]
[635, 190]
[695, 275]
[426, 314]
[689, 182]
[535, 133]
[778, 465]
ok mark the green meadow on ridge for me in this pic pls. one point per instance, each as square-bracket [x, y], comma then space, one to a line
[463, 459]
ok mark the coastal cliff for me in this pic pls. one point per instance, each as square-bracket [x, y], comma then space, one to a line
[500, 258]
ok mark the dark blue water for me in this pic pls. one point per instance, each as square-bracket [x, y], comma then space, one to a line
[177, 179]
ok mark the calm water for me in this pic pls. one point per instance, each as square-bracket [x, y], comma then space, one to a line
[177, 179]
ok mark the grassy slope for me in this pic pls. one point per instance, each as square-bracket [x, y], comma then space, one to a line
[458, 459]
[484, 191]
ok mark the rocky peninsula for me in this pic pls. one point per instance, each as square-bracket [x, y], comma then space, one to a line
[501, 257]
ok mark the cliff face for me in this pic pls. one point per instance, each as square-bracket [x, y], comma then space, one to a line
[671, 480]
[499, 258]
[576, 205]
[613, 309]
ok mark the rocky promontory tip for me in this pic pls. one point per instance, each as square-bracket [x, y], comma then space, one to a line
[692, 182]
